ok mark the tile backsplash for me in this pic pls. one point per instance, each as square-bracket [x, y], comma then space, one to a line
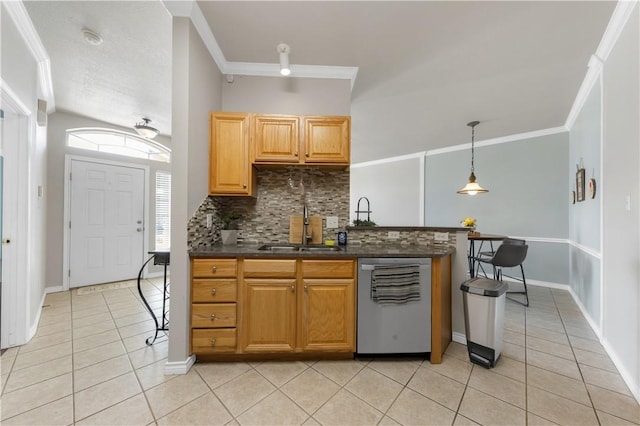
[265, 218]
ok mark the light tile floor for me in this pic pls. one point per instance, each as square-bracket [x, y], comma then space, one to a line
[88, 364]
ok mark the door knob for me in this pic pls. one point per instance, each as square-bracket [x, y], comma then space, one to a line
[139, 222]
[6, 241]
[139, 229]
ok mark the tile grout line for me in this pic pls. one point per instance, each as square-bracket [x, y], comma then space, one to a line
[595, 412]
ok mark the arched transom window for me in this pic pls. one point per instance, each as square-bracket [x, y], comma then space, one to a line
[117, 142]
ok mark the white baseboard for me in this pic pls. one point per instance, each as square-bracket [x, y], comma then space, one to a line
[628, 378]
[548, 284]
[54, 289]
[459, 338]
[179, 367]
[595, 327]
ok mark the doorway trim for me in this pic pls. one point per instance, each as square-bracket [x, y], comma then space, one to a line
[16, 310]
[67, 208]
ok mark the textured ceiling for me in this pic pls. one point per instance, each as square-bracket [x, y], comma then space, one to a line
[124, 79]
[514, 65]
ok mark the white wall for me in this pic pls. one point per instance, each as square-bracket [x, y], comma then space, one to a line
[278, 95]
[195, 91]
[621, 226]
[20, 77]
[394, 188]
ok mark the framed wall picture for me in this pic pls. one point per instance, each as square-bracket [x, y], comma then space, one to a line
[580, 185]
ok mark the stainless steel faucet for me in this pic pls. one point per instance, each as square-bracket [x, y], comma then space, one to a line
[305, 225]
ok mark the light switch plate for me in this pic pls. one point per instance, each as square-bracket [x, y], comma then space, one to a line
[441, 236]
[393, 235]
[332, 222]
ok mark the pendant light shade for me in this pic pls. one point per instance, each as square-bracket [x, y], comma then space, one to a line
[145, 130]
[472, 187]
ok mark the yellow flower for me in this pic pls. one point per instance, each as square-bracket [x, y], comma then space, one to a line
[469, 222]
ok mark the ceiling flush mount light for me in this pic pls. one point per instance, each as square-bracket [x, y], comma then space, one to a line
[145, 130]
[472, 187]
[283, 50]
[91, 37]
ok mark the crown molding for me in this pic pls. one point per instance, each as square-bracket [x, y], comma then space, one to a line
[616, 24]
[504, 139]
[191, 10]
[20, 17]
[420, 154]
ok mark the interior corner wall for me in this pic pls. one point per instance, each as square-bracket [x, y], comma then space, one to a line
[621, 203]
[528, 197]
[287, 95]
[394, 190]
[20, 76]
[195, 91]
[585, 142]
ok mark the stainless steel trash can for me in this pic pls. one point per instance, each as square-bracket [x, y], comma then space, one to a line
[484, 319]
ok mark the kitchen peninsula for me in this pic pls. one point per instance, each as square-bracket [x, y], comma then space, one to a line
[252, 303]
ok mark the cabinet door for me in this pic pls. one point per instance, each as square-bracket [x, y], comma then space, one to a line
[269, 315]
[276, 139]
[230, 170]
[328, 315]
[327, 140]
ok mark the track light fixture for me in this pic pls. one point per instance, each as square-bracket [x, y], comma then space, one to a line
[283, 50]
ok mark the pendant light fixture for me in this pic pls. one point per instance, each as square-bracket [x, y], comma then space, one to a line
[284, 49]
[472, 187]
[145, 130]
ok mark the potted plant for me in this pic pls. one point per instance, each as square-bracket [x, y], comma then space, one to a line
[229, 232]
[363, 222]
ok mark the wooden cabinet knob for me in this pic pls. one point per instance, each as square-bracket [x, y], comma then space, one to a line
[213, 342]
[213, 291]
[213, 316]
[214, 268]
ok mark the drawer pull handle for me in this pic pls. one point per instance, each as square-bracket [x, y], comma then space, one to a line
[213, 291]
[213, 342]
[214, 268]
[213, 316]
[306, 288]
[293, 288]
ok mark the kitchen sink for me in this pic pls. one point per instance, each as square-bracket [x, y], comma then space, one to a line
[277, 247]
[293, 248]
[319, 249]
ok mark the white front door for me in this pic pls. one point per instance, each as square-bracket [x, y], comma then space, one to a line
[106, 222]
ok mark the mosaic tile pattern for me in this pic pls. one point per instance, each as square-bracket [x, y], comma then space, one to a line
[265, 218]
[414, 237]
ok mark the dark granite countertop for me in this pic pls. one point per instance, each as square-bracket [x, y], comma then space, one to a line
[348, 251]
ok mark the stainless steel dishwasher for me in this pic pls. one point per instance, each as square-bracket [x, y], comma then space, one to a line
[393, 328]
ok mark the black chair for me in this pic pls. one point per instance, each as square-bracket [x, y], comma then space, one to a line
[487, 255]
[509, 255]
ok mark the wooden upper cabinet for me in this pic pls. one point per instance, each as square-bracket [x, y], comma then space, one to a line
[230, 170]
[326, 140]
[276, 139]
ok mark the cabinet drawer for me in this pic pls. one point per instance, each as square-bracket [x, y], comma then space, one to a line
[214, 267]
[213, 340]
[270, 268]
[327, 268]
[208, 315]
[218, 290]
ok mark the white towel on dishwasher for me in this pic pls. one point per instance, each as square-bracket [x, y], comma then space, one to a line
[395, 284]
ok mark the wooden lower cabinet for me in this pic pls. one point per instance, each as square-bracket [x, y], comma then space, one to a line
[298, 314]
[328, 315]
[269, 307]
